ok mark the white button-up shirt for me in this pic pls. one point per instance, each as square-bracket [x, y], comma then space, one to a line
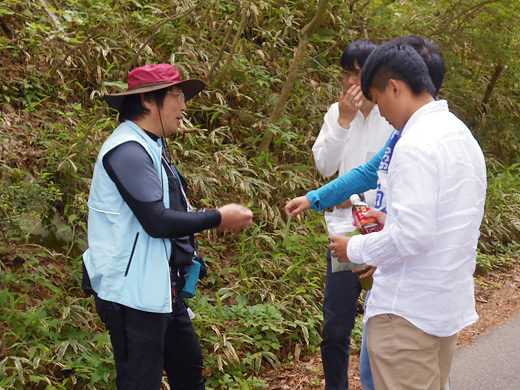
[426, 253]
[338, 150]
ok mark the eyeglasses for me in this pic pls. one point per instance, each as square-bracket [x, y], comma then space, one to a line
[180, 95]
[354, 74]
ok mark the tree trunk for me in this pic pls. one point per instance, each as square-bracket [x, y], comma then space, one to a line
[238, 34]
[224, 43]
[491, 85]
[299, 57]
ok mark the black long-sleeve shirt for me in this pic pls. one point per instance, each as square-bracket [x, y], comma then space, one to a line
[131, 169]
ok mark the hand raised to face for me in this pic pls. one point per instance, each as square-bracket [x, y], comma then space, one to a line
[349, 104]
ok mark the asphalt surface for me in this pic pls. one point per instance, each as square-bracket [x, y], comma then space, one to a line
[492, 362]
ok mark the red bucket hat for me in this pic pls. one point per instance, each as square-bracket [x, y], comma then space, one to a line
[151, 78]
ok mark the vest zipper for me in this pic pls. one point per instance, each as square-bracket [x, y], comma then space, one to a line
[131, 254]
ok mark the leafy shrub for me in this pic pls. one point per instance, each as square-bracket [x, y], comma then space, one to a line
[501, 224]
[26, 203]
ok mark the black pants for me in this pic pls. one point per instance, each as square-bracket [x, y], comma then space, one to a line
[342, 291]
[146, 343]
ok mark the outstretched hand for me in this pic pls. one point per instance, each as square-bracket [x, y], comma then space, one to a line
[235, 217]
[297, 205]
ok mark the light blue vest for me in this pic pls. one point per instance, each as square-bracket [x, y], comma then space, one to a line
[124, 263]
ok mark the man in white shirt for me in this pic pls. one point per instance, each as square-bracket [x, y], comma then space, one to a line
[423, 292]
[352, 133]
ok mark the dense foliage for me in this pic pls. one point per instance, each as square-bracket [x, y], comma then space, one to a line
[260, 305]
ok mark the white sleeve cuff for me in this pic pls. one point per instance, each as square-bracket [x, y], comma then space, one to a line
[339, 133]
[354, 251]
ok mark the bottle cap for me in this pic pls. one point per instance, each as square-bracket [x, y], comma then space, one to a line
[356, 200]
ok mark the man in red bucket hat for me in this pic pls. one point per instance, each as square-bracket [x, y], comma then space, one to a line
[142, 261]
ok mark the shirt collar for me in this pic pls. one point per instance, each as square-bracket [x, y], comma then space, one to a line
[436, 106]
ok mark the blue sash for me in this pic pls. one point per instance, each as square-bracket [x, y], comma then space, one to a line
[383, 170]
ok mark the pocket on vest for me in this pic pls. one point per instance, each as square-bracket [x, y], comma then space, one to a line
[132, 253]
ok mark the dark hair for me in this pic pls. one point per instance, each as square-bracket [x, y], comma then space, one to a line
[133, 107]
[431, 55]
[357, 51]
[394, 60]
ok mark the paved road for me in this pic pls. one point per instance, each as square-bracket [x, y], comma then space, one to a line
[492, 362]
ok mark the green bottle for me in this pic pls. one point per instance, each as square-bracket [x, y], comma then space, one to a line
[366, 283]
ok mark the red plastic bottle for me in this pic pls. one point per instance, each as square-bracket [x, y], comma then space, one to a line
[364, 224]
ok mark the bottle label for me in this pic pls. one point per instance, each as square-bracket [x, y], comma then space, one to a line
[361, 221]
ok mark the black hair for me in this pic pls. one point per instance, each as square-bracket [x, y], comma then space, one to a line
[357, 51]
[394, 60]
[431, 55]
[133, 107]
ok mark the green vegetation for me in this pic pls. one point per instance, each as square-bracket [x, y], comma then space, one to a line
[260, 306]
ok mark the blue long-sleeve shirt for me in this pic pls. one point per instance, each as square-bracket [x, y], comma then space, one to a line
[355, 181]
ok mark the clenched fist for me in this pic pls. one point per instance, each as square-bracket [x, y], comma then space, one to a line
[235, 217]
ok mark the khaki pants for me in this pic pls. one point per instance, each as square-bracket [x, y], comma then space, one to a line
[403, 357]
